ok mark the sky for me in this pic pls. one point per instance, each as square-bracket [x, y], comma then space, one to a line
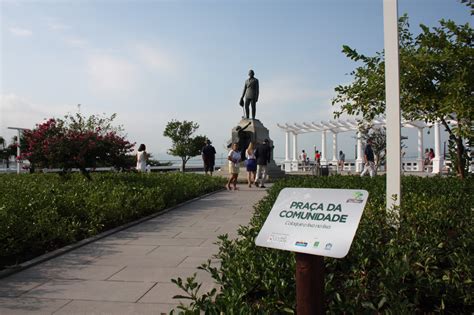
[154, 61]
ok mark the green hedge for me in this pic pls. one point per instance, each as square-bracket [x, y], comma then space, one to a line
[424, 266]
[42, 212]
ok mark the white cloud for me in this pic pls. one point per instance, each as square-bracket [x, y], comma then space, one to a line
[288, 91]
[77, 42]
[18, 111]
[156, 58]
[21, 32]
[56, 24]
[111, 73]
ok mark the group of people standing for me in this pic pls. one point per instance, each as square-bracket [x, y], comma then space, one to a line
[257, 158]
[317, 160]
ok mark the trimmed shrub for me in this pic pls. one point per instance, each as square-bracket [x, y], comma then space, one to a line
[42, 212]
[425, 266]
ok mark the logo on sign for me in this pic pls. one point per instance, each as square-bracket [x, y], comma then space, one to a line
[328, 246]
[316, 244]
[357, 198]
[301, 244]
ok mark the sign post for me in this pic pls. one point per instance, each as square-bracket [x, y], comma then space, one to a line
[309, 284]
[313, 223]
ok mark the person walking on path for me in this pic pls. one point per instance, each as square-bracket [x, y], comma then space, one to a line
[234, 158]
[427, 158]
[303, 159]
[369, 160]
[208, 157]
[342, 158]
[251, 164]
[317, 157]
[263, 156]
[141, 158]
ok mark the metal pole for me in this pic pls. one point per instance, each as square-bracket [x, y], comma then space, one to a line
[309, 284]
[18, 152]
[392, 92]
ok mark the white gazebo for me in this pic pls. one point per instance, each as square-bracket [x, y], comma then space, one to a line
[334, 127]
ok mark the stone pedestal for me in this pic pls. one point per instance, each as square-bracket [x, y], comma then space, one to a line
[252, 130]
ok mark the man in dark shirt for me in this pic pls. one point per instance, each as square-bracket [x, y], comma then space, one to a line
[369, 159]
[208, 157]
[263, 156]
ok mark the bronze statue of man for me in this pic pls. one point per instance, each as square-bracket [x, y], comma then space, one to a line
[250, 94]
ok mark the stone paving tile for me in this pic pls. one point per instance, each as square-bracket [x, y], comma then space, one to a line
[154, 226]
[199, 251]
[168, 241]
[164, 292]
[14, 287]
[25, 306]
[103, 249]
[197, 234]
[206, 224]
[212, 242]
[67, 272]
[144, 261]
[195, 261]
[158, 274]
[91, 290]
[132, 235]
[114, 308]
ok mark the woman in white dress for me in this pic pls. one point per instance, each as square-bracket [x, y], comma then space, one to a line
[141, 158]
[234, 166]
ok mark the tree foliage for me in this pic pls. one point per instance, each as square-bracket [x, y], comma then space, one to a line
[184, 144]
[469, 4]
[436, 80]
[76, 142]
[378, 135]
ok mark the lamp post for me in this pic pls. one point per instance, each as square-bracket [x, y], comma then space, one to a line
[392, 94]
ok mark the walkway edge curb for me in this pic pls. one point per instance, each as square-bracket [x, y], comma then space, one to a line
[65, 249]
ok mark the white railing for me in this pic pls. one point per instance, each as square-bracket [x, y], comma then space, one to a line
[408, 165]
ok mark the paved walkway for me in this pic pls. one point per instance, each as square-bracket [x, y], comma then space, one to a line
[130, 272]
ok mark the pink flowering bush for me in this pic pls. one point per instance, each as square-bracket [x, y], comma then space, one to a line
[76, 142]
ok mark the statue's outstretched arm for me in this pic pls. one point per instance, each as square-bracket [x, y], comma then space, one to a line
[248, 124]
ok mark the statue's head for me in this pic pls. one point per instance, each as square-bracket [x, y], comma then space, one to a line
[251, 73]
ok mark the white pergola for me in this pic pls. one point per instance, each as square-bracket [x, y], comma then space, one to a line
[334, 127]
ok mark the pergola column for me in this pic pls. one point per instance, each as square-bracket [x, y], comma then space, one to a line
[294, 162]
[420, 159]
[334, 148]
[359, 159]
[438, 159]
[287, 146]
[323, 148]
[295, 147]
